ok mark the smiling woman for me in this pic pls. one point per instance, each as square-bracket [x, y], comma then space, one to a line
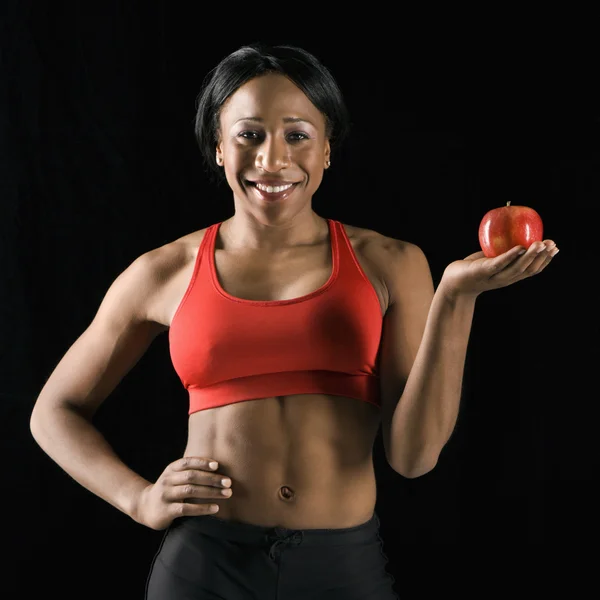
[274, 319]
[296, 337]
[292, 424]
[299, 67]
[277, 154]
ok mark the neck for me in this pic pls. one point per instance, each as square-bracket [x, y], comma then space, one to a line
[244, 231]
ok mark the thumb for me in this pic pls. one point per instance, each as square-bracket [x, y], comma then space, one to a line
[475, 256]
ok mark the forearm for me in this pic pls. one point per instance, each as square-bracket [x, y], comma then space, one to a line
[426, 413]
[81, 451]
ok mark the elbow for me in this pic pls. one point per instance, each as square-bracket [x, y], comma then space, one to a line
[38, 421]
[414, 473]
[414, 468]
[35, 424]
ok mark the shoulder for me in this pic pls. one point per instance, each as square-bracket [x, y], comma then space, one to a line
[379, 244]
[156, 271]
[397, 261]
[164, 261]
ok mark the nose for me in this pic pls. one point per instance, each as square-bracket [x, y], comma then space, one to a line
[273, 155]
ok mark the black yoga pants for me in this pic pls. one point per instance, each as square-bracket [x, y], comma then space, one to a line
[207, 558]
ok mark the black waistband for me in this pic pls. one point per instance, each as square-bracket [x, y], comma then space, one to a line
[257, 534]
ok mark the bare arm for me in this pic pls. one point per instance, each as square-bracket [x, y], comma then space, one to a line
[423, 352]
[424, 346]
[61, 420]
[426, 413]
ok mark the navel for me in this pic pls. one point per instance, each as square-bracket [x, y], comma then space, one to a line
[286, 493]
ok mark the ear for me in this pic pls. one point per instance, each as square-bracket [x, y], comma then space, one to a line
[219, 152]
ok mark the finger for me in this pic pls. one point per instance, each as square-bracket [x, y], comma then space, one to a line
[529, 264]
[505, 259]
[546, 258]
[535, 254]
[195, 462]
[186, 509]
[200, 478]
[544, 264]
[537, 247]
[191, 493]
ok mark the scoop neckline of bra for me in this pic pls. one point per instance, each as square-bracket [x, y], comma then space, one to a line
[333, 244]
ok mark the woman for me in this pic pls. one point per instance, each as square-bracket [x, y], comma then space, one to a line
[297, 337]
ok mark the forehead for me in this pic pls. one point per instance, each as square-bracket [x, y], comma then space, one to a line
[270, 97]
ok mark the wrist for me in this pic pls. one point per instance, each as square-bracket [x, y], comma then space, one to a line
[454, 296]
[136, 501]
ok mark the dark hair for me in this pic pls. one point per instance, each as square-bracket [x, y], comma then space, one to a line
[253, 60]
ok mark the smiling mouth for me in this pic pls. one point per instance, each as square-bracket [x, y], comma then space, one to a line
[272, 192]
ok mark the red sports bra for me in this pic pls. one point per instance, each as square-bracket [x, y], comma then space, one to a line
[228, 349]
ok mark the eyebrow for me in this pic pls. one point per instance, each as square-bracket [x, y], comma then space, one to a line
[285, 120]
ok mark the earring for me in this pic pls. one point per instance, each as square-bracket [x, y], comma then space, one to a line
[219, 160]
[328, 163]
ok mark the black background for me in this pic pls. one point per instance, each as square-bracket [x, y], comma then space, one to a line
[99, 164]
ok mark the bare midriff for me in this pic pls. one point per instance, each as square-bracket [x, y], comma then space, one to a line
[300, 462]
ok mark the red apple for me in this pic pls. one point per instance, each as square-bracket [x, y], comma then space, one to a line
[508, 226]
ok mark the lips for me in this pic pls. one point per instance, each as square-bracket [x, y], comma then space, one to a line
[272, 190]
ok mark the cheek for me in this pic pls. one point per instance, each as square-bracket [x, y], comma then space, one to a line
[310, 157]
[316, 164]
[237, 157]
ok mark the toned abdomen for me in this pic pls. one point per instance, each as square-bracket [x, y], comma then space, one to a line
[300, 462]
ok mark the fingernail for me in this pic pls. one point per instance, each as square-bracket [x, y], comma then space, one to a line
[213, 465]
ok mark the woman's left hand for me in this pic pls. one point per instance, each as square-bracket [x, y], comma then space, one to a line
[476, 273]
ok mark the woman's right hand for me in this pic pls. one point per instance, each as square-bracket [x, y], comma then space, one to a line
[177, 490]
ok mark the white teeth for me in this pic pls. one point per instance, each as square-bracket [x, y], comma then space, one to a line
[270, 189]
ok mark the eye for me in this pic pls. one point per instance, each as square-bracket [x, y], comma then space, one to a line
[298, 136]
[249, 135]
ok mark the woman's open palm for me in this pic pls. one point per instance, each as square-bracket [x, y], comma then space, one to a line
[476, 273]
